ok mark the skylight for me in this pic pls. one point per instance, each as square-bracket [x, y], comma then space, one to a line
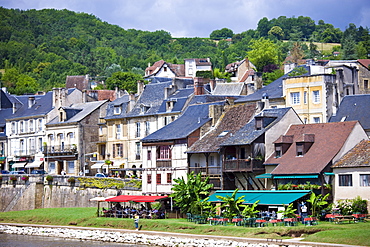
[223, 133]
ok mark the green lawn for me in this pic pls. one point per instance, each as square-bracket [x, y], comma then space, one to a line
[354, 234]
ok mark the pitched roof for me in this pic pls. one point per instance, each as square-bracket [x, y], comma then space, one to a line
[177, 69]
[328, 140]
[230, 122]
[228, 89]
[359, 156]
[352, 108]
[192, 119]
[122, 102]
[274, 90]
[248, 133]
[364, 62]
[77, 81]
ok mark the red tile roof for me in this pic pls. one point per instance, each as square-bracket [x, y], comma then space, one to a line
[364, 62]
[329, 138]
[359, 156]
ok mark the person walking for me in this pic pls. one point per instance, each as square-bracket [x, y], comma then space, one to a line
[136, 220]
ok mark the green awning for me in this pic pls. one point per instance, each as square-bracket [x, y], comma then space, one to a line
[266, 175]
[329, 173]
[265, 197]
[295, 176]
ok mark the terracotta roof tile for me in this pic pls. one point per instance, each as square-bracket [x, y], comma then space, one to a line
[329, 139]
[359, 156]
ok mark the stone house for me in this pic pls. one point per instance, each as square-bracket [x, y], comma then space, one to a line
[352, 173]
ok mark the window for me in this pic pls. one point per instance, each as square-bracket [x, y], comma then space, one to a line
[149, 156]
[147, 128]
[149, 178]
[364, 180]
[118, 131]
[100, 130]
[51, 167]
[169, 178]
[13, 128]
[117, 110]
[299, 149]
[305, 120]
[295, 98]
[211, 161]
[31, 125]
[316, 120]
[259, 124]
[164, 152]
[22, 147]
[40, 144]
[366, 84]
[345, 180]
[137, 130]
[316, 96]
[278, 151]
[40, 124]
[70, 167]
[117, 150]
[32, 146]
[165, 69]
[138, 150]
[21, 127]
[305, 97]
[159, 179]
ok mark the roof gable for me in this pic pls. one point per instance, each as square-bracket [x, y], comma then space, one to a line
[329, 140]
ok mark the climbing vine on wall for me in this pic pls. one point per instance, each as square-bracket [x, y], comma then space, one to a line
[108, 183]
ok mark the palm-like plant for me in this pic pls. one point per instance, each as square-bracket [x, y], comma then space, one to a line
[251, 211]
[289, 211]
[191, 194]
[317, 202]
[232, 204]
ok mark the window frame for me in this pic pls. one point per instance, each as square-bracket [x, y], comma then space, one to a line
[345, 180]
[365, 182]
[316, 99]
[295, 98]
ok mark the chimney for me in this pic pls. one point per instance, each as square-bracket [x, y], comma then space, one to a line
[132, 101]
[198, 86]
[140, 87]
[215, 112]
[212, 84]
[31, 101]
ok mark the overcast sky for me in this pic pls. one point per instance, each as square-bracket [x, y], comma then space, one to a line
[198, 18]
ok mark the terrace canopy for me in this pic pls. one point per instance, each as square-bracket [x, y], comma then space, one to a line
[135, 198]
[265, 197]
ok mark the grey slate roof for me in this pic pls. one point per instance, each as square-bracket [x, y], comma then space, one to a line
[249, 133]
[192, 119]
[354, 107]
[228, 88]
[274, 90]
[122, 102]
[79, 111]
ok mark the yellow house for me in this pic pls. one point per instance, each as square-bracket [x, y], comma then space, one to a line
[312, 97]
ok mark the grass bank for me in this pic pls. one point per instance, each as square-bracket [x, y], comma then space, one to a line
[353, 234]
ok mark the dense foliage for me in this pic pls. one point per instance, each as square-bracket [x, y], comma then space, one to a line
[39, 48]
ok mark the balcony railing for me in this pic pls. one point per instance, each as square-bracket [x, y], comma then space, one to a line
[249, 165]
[163, 163]
[64, 149]
[212, 170]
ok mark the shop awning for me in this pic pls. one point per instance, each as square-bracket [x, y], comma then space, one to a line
[265, 197]
[294, 176]
[101, 164]
[100, 198]
[19, 165]
[266, 175]
[133, 198]
[98, 165]
[329, 173]
[35, 164]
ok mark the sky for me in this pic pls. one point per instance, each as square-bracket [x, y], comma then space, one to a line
[198, 18]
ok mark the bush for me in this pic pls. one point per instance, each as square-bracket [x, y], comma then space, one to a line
[349, 206]
[49, 178]
[71, 180]
[25, 178]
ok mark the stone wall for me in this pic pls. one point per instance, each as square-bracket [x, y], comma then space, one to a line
[38, 194]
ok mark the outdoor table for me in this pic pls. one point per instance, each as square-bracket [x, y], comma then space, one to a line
[290, 221]
[359, 217]
[237, 221]
[222, 221]
[261, 222]
[275, 222]
[342, 218]
[310, 221]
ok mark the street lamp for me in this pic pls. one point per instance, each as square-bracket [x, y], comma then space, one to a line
[108, 162]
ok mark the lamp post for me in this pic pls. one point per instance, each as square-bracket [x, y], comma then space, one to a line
[108, 163]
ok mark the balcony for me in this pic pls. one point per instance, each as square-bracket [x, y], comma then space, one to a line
[243, 165]
[163, 163]
[208, 171]
[60, 150]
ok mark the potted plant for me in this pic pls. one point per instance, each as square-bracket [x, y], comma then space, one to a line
[71, 180]
[25, 178]
[13, 178]
[49, 178]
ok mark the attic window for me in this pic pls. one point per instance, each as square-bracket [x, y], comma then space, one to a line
[223, 133]
[144, 108]
[278, 151]
[258, 123]
[117, 110]
[299, 149]
[343, 119]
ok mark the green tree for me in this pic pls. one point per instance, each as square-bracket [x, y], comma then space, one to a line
[296, 52]
[276, 32]
[231, 205]
[289, 211]
[223, 33]
[25, 84]
[191, 194]
[124, 80]
[262, 53]
[272, 76]
[297, 71]
[349, 48]
[317, 202]
[250, 211]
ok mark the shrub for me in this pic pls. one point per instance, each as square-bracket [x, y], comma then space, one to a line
[25, 178]
[359, 205]
[49, 178]
[13, 178]
[71, 180]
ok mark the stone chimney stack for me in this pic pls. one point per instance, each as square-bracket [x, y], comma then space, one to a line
[198, 86]
[140, 87]
[132, 101]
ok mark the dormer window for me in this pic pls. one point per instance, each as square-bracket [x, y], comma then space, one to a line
[169, 105]
[300, 149]
[278, 151]
[117, 110]
[259, 123]
[61, 118]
